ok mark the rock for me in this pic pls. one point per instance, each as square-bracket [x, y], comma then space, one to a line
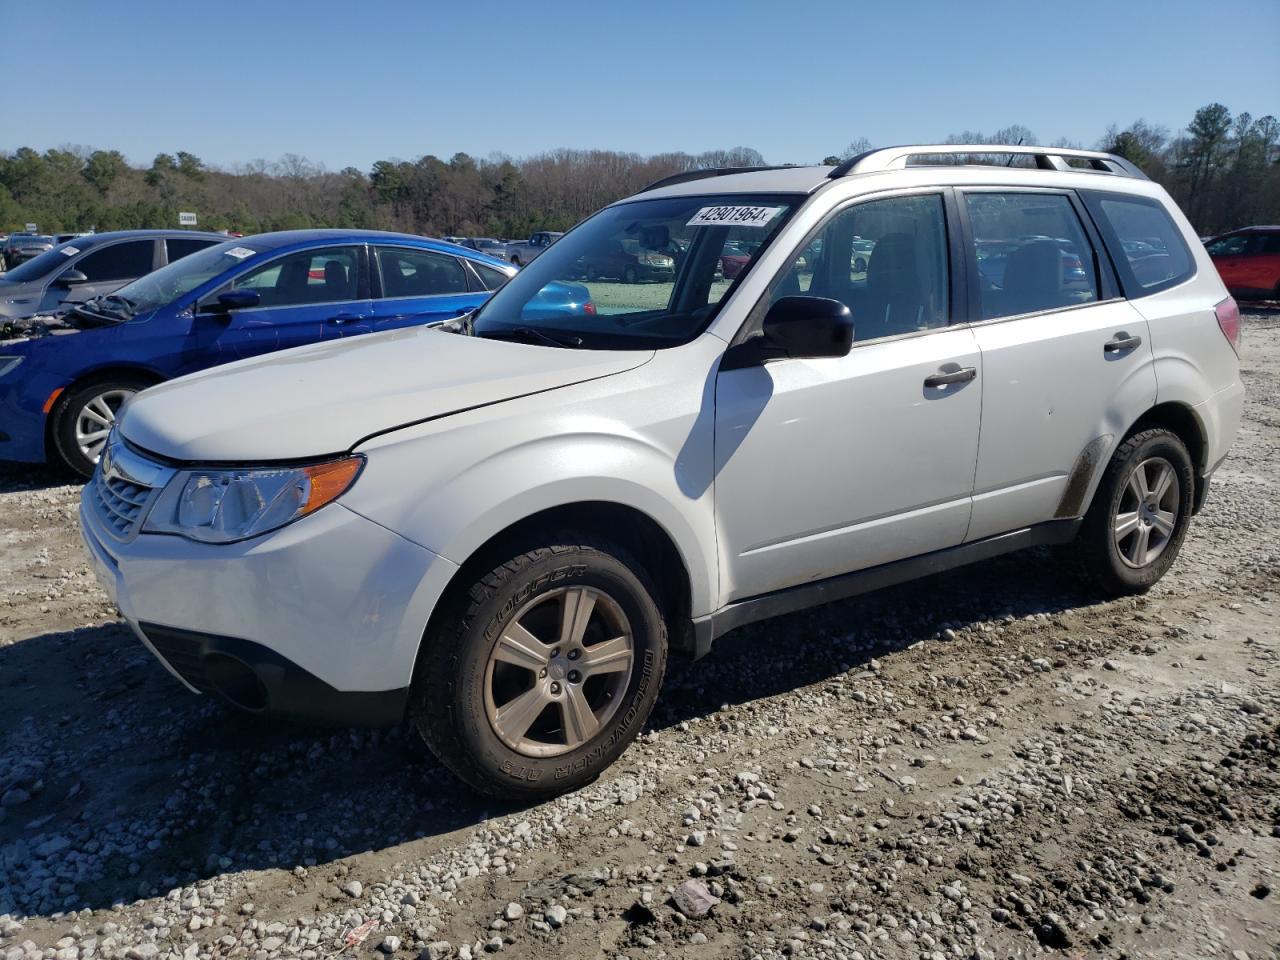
[354, 889]
[693, 899]
[14, 796]
[513, 911]
[697, 838]
[389, 944]
[436, 950]
[556, 915]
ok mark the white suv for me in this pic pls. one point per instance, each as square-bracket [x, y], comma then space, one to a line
[502, 527]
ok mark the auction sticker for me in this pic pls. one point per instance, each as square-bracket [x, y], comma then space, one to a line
[239, 252]
[733, 216]
[70, 251]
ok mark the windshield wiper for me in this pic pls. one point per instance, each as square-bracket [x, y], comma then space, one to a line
[534, 333]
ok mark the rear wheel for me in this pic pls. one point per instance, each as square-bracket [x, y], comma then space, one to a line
[84, 417]
[1139, 516]
[543, 671]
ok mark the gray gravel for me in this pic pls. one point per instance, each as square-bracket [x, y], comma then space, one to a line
[988, 763]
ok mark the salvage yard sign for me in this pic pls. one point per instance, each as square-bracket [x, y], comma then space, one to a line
[186, 219]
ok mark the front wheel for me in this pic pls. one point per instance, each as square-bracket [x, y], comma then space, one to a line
[1139, 515]
[84, 417]
[539, 674]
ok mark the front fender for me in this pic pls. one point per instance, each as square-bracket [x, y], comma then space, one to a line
[638, 440]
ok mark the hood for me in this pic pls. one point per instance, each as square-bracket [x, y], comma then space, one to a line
[325, 398]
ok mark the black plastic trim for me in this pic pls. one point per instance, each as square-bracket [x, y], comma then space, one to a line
[290, 690]
[801, 597]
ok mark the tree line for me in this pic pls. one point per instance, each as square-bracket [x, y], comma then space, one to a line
[1223, 169]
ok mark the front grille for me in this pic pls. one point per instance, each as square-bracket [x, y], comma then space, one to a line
[123, 486]
[181, 652]
[120, 502]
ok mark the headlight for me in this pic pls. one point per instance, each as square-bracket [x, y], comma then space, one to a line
[222, 506]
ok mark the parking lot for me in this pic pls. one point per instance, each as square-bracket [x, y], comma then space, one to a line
[987, 763]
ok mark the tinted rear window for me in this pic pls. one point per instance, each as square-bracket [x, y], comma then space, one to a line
[1145, 243]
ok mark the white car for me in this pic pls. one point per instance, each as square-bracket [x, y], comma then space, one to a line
[502, 527]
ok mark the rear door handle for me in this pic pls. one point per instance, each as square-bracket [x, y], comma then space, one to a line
[338, 319]
[946, 378]
[1120, 343]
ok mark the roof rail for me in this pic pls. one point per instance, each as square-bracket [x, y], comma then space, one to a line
[709, 172]
[1047, 158]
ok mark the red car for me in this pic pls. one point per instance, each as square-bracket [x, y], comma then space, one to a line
[733, 258]
[1248, 261]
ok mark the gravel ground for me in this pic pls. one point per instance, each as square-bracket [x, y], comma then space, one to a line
[988, 763]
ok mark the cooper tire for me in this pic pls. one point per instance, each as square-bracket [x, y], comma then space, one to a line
[459, 710]
[1123, 546]
[79, 409]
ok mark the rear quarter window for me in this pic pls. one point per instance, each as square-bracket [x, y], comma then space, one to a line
[1145, 244]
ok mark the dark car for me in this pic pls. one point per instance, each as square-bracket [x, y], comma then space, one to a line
[92, 266]
[628, 261]
[1248, 261]
[63, 379]
[21, 247]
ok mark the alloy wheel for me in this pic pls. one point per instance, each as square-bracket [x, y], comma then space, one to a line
[558, 672]
[95, 420]
[1147, 516]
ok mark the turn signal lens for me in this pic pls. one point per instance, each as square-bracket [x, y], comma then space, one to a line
[329, 481]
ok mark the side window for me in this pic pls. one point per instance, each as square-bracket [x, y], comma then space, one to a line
[1232, 246]
[419, 273]
[1155, 255]
[309, 276]
[120, 261]
[886, 260]
[491, 278]
[1031, 253]
[179, 247]
[1270, 244]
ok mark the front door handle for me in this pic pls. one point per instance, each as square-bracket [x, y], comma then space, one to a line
[1120, 343]
[339, 319]
[944, 378]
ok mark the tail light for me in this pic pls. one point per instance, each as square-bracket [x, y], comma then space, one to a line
[589, 308]
[1228, 313]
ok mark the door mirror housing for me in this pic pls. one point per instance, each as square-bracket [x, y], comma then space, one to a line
[808, 327]
[233, 300]
[72, 278]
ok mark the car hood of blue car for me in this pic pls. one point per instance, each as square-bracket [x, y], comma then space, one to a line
[326, 398]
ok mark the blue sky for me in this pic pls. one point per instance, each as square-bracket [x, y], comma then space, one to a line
[349, 83]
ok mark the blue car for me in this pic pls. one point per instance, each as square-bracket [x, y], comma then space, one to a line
[62, 379]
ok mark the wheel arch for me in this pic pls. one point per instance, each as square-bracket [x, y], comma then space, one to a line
[627, 526]
[88, 378]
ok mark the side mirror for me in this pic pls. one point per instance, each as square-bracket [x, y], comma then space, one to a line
[234, 300]
[71, 278]
[807, 327]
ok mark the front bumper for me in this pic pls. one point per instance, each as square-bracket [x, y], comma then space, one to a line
[321, 619]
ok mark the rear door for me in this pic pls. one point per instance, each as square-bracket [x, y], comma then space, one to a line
[415, 286]
[108, 268]
[1066, 360]
[305, 296]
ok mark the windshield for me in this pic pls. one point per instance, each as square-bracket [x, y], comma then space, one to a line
[37, 266]
[167, 284]
[650, 273]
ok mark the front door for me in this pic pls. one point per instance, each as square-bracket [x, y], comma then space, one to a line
[834, 465]
[304, 297]
[108, 268]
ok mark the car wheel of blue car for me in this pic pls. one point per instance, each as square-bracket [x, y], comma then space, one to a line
[84, 417]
